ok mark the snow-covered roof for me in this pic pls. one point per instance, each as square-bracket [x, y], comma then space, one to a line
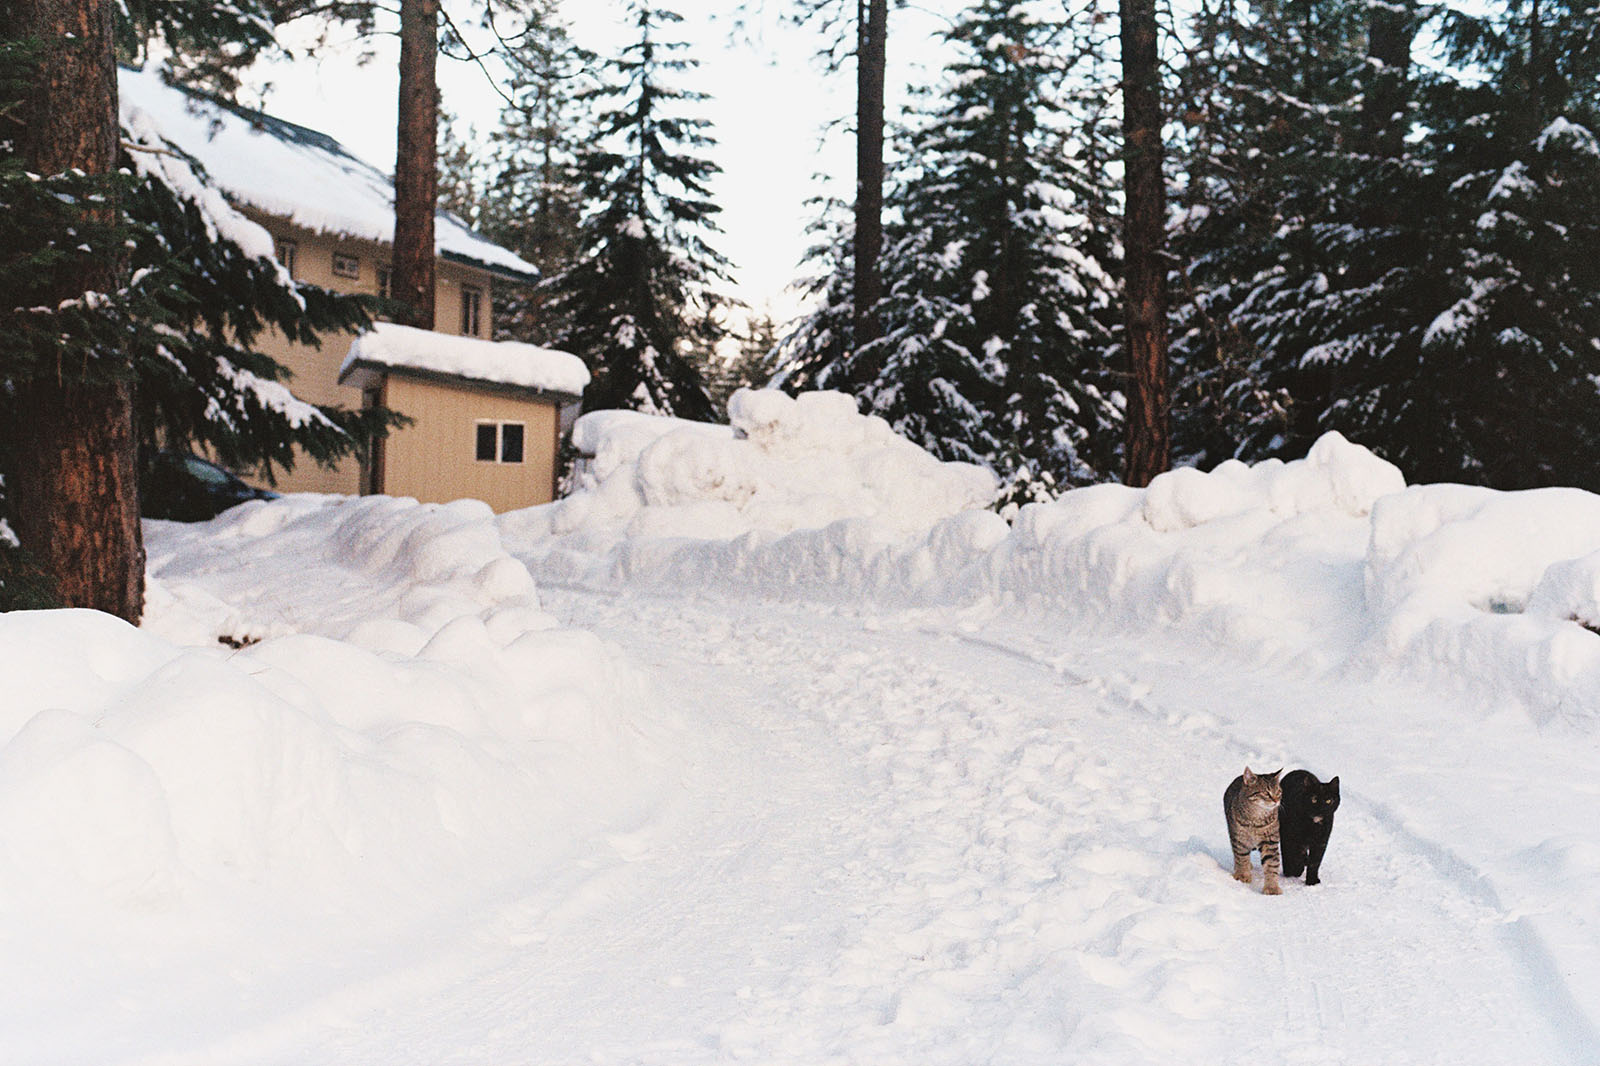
[389, 346]
[293, 172]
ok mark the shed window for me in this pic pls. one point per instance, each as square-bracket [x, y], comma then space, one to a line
[500, 442]
[286, 254]
[471, 310]
[384, 287]
[346, 266]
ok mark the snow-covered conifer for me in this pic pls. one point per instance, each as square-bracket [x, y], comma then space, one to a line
[642, 289]
[998, 303]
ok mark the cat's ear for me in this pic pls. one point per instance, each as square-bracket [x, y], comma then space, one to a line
[1334, 784]
[1249, 778]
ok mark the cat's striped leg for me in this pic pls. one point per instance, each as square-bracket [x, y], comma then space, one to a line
[1270, 861]
[1242, 870]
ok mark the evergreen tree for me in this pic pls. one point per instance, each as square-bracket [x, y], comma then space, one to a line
[641, 291]
[744, 366]
[66, 424]
[1271, 91]
[1407, 272]
[201, 288]
[859, 29]
[816, 350]
[1149, 444]
[1496, 379]
[533, 196]
[999, 305]
[172, 323]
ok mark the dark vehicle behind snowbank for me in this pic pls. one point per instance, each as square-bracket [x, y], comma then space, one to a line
[186, 488]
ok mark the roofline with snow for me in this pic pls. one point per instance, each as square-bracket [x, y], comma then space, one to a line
[503, 272]
[294, 133]
[348, 376]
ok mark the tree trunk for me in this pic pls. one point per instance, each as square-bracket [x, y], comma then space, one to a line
[1391, 28]
[872, 31]
[416, 165]
[1144, 237]
[74, 489]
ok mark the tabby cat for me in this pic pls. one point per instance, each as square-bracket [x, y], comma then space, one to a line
[1305, 819]
[1251, 807]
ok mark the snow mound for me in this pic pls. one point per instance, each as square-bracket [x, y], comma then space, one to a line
[1248, 557]
[1501, 588]
[140, 776]
[358, 694]
[1335, 475]
[784, 464]
[390, 573]
[1327, 563]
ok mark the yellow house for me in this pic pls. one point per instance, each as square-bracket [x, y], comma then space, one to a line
[331, 218]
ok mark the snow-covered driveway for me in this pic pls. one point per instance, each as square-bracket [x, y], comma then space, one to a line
[906, 839]
[777, 747]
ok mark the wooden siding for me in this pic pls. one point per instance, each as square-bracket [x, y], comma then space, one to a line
[316, 370]
[435, 460]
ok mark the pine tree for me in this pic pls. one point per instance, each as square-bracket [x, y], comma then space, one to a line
[999, 305]
[66, 405]
[169, 322]
[533, 200]
[859, 30]
[643, 286]
[1149, 450]
[1496, 380]
[816, 349]
[743, 365]
[1407, 271]
[1284, 201]
[196, 301]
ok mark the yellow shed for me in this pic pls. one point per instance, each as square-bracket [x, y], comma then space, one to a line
[488, 416]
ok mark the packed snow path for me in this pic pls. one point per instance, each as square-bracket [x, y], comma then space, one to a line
[903, 841]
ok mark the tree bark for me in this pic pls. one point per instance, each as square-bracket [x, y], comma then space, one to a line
[416, 165]
[872, 31]
[1391, 28]
[1149, 449]
[74, 487]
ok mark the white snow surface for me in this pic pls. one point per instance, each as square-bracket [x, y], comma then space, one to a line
[288, 171]
[498, 362]
[732, 785]
[783, 463]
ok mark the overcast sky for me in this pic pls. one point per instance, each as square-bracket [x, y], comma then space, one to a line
[770, 103]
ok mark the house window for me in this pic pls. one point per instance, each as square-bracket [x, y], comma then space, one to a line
[500, 442]
[346, 266]
[471, 310]
[286, 254]
[384, 288]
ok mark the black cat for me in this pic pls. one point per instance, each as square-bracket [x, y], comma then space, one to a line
[1305, 819]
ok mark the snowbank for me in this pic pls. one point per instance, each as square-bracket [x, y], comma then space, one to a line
[360, 697]
[1325, 563]
[1499, 587]
[785, 464]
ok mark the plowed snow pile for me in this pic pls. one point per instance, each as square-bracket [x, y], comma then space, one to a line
[401, 731]
[1325, 563]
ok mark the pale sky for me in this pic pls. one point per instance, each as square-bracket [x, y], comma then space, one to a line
[770, 103]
